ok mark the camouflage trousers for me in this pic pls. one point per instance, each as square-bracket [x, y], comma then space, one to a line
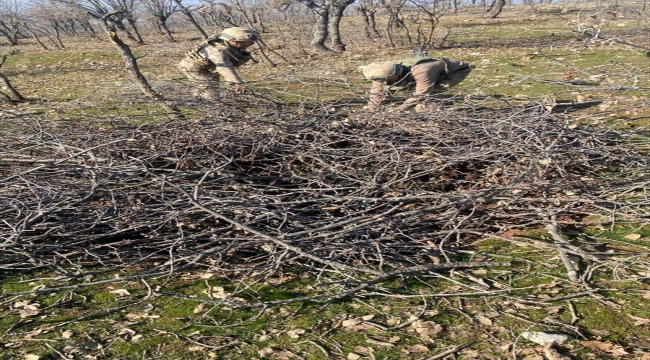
[431, 100]
[204, 82]
[453, 79]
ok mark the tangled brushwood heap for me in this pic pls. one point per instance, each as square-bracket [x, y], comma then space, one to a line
[314, 191]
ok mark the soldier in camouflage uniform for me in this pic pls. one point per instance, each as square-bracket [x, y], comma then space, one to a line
[218, 57]
[428, 76]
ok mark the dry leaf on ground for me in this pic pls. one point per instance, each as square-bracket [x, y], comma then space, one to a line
[545, 339]
[427, 330]
[605, 346]
[120, 292]
[417, 349]
[639, 320]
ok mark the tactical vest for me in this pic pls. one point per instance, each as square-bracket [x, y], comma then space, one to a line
[238, 57]
[197, 57]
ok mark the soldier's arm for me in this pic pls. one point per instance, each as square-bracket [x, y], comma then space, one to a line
[455, 65]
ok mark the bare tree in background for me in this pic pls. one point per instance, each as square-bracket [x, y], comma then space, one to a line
[187, 11]
[394, 8]
[8, 93]
[127, 9]
[53, 19]
[36, 31]
[133, 68]
[120, 9]
[334, 26]
[234, 13]
[219, 14]
[328, 19]
[63, 18]
[11, 16]
[160, 11]
[368, 9]
[432, 12]
[495, 8]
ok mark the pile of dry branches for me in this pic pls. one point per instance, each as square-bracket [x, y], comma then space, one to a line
[318, 190]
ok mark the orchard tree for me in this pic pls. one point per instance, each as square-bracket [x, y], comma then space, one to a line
[160, 11]
[495, 8]
[328, 19]
[395, 20]
[128, 11]
[187, 11]
[218, 14]
[368, 9]
[119, 10]
[7, 91]
[427, 17]
[11, 18]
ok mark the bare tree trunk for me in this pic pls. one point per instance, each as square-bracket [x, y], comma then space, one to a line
[133, 26]
[328, 20]
[57, 34]
[261, 27]
[191, 18]
[244, 13]
[495, 8]
[162, 27]
[265, 46]
[389, 35]
[86, 26]
[45, 33]
[6, 85]
[118, 24]
[370, 28]
[393, 12]
[35, 37]
[333, 27]
[9, 33]
[265, 58]
[321, 31]
[132, 66]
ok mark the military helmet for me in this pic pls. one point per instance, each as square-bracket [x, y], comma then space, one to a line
[381, 70]
[239, 34]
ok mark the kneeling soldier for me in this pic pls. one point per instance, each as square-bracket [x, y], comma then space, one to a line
[428, 76]
[218, 56]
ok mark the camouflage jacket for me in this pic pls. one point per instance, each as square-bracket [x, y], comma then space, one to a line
[423, 74]
[218, 57]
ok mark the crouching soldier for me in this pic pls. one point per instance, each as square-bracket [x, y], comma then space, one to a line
[428, 76]
[217, 57]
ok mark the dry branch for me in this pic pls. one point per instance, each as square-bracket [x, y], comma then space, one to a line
[352, 200]
[133, 69]
[5, 84]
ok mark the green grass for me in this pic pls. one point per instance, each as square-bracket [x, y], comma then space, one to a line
[171, 320]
